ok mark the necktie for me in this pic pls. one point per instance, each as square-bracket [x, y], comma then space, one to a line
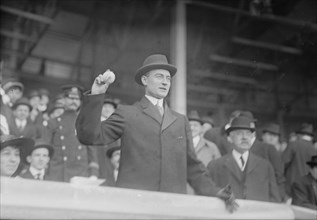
[160, 109]
[38, 176]
[242, 161]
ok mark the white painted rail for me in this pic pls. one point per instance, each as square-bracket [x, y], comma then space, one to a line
[28, 199]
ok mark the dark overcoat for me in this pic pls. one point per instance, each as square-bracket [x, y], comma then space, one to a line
[71, 158]
[258, 183]
[156, 154]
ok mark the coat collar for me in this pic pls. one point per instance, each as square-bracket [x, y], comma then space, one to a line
[150, 110]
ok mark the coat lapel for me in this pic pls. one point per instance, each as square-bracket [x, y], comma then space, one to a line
[232, 165]
[150, 110]
[168, 117]
[251, 163]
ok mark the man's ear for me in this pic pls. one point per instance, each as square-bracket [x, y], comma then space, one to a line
[144, 80]
[229, 139]
[28, 159]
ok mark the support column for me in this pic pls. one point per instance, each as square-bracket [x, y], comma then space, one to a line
[178, 57]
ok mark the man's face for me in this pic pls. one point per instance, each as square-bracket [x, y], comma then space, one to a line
[270, 138]
[39, 158]
[241, 139]
[196, 128]
[157, 83]
[35, 101]
[72, 103]
[115, 159]
[44, 100]
[107, 110]
[10, 160]
[14, 94]
[21, 112]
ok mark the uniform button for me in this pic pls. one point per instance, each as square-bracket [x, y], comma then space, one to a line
[79, 147]
[59, 119]
[60, 127]
[65, 158]
[62, 137]
[78, 157]
[45, 123]
[63, 147]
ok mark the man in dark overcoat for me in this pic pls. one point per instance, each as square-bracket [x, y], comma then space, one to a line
[157, 151]
[250, 176]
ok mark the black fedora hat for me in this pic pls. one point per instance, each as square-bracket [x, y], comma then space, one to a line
[155, 61]
[241, 122]
[194, 116]
[22, 101]
[23, 144]
[40, 143]
[306, 128]
[111, 150]
[313, 161]
[272, 128]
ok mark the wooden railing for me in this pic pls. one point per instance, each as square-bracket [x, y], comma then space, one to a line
[28, 199]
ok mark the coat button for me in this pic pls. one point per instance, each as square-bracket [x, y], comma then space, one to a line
[62, 137]
[78, 157]
[79, 147]
[65, 158]
[59, 119]
[63, 147]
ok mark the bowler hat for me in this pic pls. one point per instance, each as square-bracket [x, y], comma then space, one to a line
[155, 61]
[24, 144]
[248, 114]
[241, 122]
[10, 83]
[194, 116]
[306, 128]
[272, 128]
[313, 161]
[111, 150]
[22, 101]
[40, 143]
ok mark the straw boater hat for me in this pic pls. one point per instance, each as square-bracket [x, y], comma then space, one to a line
[23, 144]
[241, 122]
[194, 116]
[155, 61]
[272, 128]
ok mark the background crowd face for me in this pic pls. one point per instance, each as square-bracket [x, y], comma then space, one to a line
[10, 160]
[21, 112]
[14, 94]
[241, 139]
[270, 138]
[157, 83]
[196, 128]
[72, 103]
[39, 158]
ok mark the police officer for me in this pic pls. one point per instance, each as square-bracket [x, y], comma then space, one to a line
[71, 158]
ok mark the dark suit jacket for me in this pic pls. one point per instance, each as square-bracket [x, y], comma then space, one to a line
[155, 155]
[258, 184]
[304, 192]
[29, 131]
[268, 152]
[295, 157]
[28, 175]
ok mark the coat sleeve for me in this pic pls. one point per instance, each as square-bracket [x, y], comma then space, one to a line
[90, 130]
[197, 174]
[300, 195]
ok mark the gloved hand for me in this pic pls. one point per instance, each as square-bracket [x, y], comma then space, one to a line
[227, 196]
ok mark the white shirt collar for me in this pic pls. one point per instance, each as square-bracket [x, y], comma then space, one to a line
[236, 155]
[34, 172]
[155, 101]
[20, 122]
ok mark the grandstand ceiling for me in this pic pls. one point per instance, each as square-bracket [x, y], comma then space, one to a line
[238, 56]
